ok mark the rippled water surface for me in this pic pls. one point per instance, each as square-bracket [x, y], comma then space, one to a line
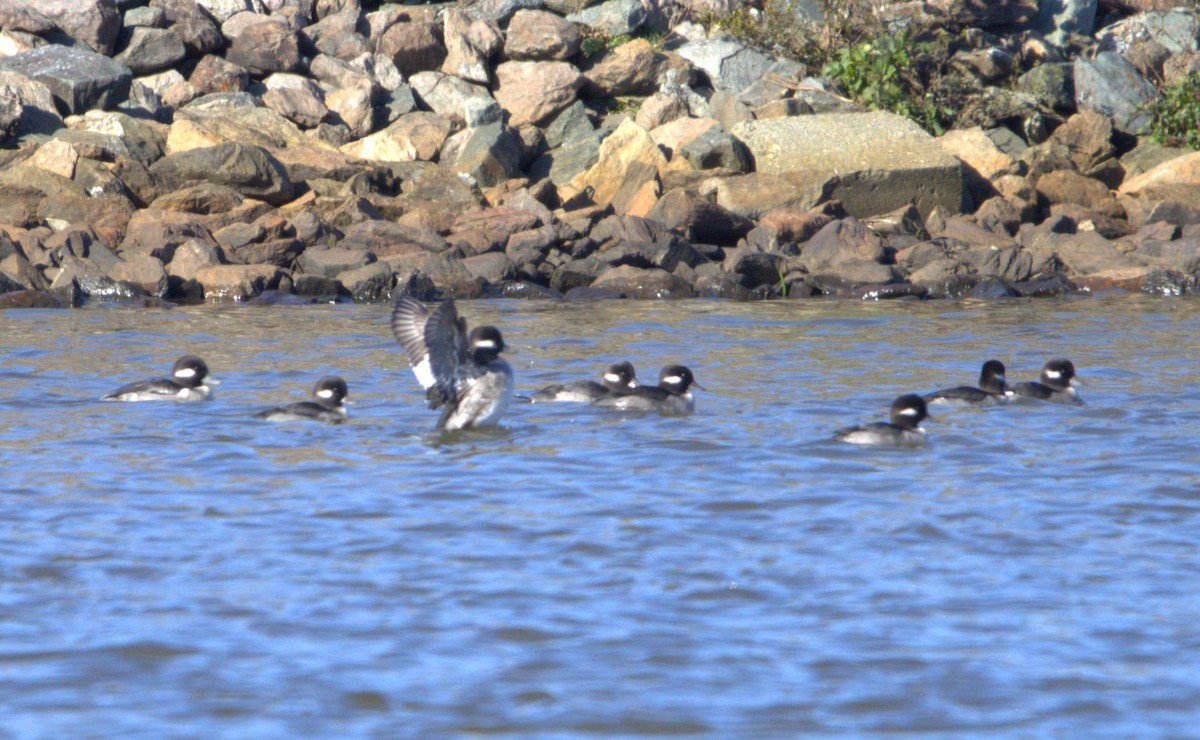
[186, 570]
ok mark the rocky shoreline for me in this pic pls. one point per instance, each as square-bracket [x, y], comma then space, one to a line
[182, 151]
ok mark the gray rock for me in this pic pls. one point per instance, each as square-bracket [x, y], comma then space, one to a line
[493, 267]
[151, 49]
[612, 18]
[331, 262]
[730, 64]
[300, 103]
[1177, 29]
[79, 80]
[316, 286]
[717, 148]
[10, 116]
[34, 101]
[1111, 86]
[500, 10]
[249, 170]
[572, 124]
[873, 162]
[338, 35]
[491, 155]
[447, 95]
[94, 22]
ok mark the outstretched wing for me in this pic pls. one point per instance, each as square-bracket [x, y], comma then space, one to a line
[436, 344]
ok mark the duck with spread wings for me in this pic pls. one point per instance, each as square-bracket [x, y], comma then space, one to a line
[462, 372]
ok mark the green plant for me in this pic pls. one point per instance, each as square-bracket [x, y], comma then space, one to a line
[882, 74]
[1175, 114]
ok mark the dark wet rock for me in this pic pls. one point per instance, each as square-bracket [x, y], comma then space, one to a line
[756, 268]
[851, 277]
[81, 279]
[316, 286]
[1007, 264]
[525, 290]
[1158, 282]
[890, 291]
[639, 282]
[276, 297]
[249, 170]
[79, 80]
[989, 288]
[1046, 287]
[237, 282]
[30, 299]
[331, 262]
[371, 283]
[579, 273]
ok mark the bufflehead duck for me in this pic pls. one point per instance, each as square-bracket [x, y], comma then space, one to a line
[619, 376]
[461, 372]
[908, 411]
[328, 397]
[189, 381]
[672, 395]
[1057, 386]
[992, 388]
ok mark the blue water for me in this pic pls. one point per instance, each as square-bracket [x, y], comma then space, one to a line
[185, 570]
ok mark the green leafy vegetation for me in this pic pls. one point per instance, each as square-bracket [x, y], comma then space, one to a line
[1175, 115]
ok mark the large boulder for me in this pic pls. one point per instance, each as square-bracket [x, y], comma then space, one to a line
[249, 170]
[94, 22]
[78, 79]
[1111, 86]
[873, 162]
[534, 92]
